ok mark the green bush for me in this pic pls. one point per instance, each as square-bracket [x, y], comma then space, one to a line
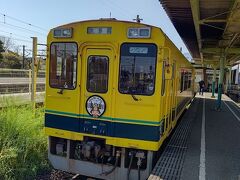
[23, 145]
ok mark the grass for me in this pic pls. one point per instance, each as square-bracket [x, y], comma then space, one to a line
[23, 145]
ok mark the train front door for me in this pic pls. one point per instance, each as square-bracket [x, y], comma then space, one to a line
[96, 82]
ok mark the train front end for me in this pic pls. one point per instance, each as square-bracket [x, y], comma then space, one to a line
[102, 107]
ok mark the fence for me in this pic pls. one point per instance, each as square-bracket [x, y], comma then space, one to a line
[19, 81]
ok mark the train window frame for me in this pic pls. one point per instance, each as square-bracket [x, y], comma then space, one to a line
[155, 69]
[87, 75]
[182, 77]
[49, 65]
[186, 81]
[190, 80]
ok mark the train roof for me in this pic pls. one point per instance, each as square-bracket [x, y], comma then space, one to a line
[107, 20]
[116, 21]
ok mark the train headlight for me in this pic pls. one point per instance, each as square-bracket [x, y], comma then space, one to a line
[144, 32]
[62, 33]
[132, 33]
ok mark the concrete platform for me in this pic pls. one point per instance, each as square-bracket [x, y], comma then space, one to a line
[210, 148]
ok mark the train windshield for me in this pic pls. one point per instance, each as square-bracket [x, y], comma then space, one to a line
[97, 76]
[137, 69]
[63, 65]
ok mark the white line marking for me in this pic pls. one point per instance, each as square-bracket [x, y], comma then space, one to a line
[236, 106]
[232, 112]
[202, 168]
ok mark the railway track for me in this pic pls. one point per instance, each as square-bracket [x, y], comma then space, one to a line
[61, 175]
[55, 175]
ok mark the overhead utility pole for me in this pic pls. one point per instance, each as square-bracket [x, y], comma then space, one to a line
[34, 72]
[23, 58]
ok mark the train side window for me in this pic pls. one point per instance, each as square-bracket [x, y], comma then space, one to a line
[137, 69]
[189, 80]
[182, 82]
[63, 65]
[97, 74]
[185, 81]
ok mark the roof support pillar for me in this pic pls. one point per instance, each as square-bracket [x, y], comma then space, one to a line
[214, 81]
[220, 83]
[205, 76]
[196, 20]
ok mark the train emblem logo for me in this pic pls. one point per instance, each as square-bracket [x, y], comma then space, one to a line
[95, 106]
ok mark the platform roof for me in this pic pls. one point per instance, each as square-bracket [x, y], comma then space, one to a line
[208, 28]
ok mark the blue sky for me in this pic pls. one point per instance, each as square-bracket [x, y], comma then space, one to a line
[47, 14]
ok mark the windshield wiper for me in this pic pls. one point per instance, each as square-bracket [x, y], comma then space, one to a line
[131, 92]
[61, 91]
[134, 97]
[65, 86]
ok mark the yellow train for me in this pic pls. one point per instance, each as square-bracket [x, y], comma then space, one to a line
[114, 92]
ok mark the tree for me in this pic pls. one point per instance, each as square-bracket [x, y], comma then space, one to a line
[11, 60]
[8, 43]
[1, 49]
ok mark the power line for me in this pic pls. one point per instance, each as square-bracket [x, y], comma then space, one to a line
[14, 34]
[21, 36]
[121, 8]
[17, 39]
[22, 28]
[21, 21]
[111, 6]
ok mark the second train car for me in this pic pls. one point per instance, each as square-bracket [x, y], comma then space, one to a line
[114, 92]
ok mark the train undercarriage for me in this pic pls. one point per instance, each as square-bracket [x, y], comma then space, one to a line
[93, 158]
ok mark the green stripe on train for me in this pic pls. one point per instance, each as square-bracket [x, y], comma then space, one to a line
[104, 118]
